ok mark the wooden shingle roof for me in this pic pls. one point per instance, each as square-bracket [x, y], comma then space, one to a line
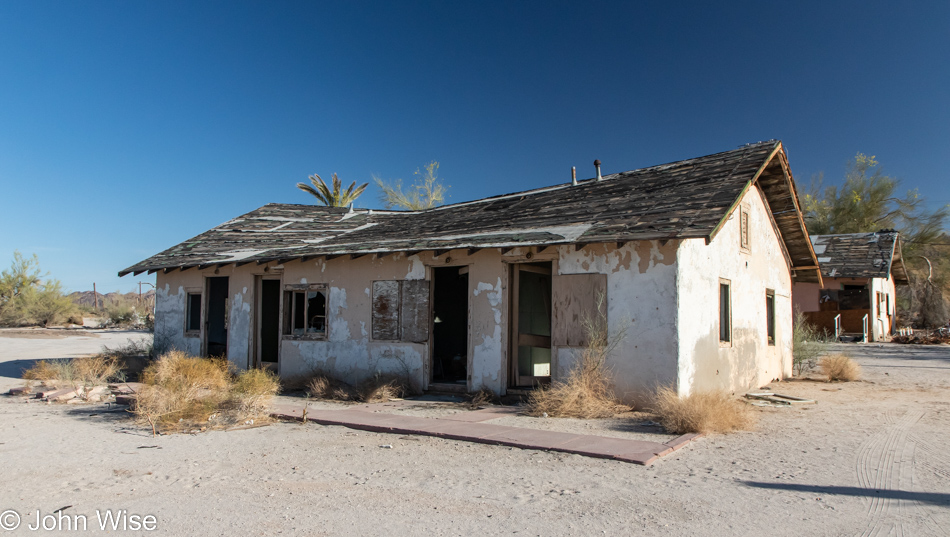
[860, 255]
[686, 199]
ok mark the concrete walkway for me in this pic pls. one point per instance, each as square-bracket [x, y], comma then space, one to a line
[468, 427]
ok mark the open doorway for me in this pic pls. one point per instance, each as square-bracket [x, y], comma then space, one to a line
[530, 325]
[450, 325]
[268, 324]
[216, 333]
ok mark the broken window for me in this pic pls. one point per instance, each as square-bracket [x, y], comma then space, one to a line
[770, 315]
[744, 228]
[305, 310]
[401, 310]
[725, 315]
[193, 315]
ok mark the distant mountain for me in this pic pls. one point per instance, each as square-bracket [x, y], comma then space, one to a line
[87, 298]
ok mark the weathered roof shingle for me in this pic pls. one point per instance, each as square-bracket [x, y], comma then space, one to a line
[686, 199]
[860, 255]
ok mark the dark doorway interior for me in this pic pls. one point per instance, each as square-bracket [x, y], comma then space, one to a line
[217, 321]
[270, 322]
[450, 325]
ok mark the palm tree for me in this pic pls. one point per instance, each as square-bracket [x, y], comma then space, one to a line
[335, 197]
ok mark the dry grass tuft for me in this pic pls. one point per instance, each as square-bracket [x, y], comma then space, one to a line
[184, 392]
[839, 367]
[375, 389]
[482, 397]
[326, 387]
[178, 368]
[252, 391]
[380, 388]
[86, 372]
[701, 412]
[587, 392]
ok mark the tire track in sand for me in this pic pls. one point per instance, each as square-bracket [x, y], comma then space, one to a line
[885, 462]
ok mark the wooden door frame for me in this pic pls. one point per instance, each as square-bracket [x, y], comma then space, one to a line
[429, 369]
[513, 335]
[255, 358]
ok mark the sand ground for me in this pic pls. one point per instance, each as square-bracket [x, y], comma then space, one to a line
[870, 458]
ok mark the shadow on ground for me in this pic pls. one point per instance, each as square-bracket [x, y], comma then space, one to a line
[933, 498]
[14, 369]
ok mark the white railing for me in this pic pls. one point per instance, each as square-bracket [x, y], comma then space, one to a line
[837, 326]
[906, 331]
[865, 323]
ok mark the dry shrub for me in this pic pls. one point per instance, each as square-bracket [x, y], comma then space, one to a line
[482, 397]
[379, 388]
[185, 392]
[701, 412]
[178, 368]
[375, 389]
[839, 367]
[253, 389]
[587, 391]
[326, 387]
[86, 372]
[44, 370]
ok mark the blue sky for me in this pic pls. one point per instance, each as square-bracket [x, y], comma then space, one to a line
[127, 127]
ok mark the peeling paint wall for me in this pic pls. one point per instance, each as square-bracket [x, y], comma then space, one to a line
[641, 304]
[170, 315]
[748, 361]
[349, 350]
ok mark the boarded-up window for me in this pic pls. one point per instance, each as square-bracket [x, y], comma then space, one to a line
[414, 311]
[744, 228]
[770, 315]
[401, 310]
[577, 298]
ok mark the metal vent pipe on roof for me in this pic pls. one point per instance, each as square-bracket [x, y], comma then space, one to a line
[597, 165]
[573, 176]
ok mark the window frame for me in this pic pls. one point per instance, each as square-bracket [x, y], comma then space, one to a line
[288, 299]
[727, 317]
[770, 328]
[189, 293]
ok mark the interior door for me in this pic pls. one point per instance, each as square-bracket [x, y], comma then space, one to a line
[531, 324]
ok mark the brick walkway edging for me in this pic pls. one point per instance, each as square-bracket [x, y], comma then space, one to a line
[620, 449]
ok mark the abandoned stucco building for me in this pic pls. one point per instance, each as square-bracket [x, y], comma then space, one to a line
[860, 272]
[693, 262]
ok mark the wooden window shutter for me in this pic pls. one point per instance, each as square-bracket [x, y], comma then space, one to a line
[401, 310]
[576, 298]
[386, 310]
[414, 311]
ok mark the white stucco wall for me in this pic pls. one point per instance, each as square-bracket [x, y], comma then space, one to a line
[641, 302]
[748, 361]
[879, 319]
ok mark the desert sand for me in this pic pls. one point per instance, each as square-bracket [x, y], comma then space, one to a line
[870, 458]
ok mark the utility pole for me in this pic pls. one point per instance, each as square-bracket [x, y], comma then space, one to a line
[95, 294]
